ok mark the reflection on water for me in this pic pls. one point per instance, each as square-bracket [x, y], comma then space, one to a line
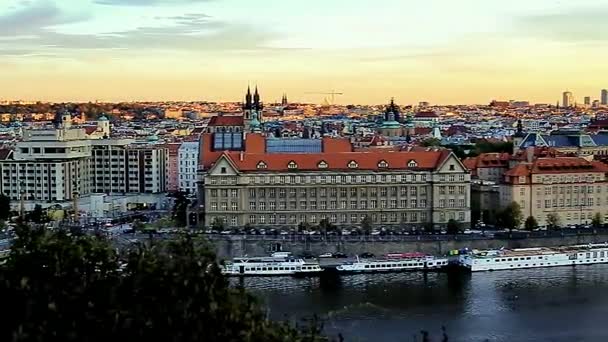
[552, 304]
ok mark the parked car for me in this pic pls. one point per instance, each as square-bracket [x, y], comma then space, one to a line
[308, 255]
[366, 255]
[340, 255]
[326, 255]
[375, 232]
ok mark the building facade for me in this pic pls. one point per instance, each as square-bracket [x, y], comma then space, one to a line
[283, 190]
[572, 188]
[55, 165]
[188, 166]
[173, 166]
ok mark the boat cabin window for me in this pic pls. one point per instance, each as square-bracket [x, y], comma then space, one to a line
[528, 258]
[366, 266]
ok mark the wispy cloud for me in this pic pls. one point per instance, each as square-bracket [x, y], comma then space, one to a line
[581, 25]
[35, 17]
[146, 2]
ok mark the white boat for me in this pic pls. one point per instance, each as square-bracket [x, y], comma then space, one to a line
[508, 259]
[271, 266]
[393, 264]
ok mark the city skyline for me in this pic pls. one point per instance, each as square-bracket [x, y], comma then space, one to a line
[440, 51]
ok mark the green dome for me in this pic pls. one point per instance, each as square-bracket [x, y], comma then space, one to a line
[391, 124]
[102, 118]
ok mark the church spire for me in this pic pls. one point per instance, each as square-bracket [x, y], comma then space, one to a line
[247, 104]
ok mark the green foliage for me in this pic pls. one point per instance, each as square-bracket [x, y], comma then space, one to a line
[485, 146]
[530, 223]
[5, 207]
[510, 217]
[597, 220]
[366, 225]
[180, 209]
[430, 142]
[302, 226]
[37, 215]
[553, 220]
[62, 287]
[218, 224]
[138, 226]
[325, 226]
[453, 227]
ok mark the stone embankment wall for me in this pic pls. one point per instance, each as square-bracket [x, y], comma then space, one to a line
[238, 246]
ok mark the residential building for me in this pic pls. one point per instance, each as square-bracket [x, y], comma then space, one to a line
[48, 164]
[572, 188]
[188, 165]
[173, 166]
[120, 167]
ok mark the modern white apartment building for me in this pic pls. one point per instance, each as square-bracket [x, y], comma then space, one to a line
[48, 165]
[188, 155]
[54, 165]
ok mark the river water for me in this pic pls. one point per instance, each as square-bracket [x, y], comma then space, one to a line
[551, 304]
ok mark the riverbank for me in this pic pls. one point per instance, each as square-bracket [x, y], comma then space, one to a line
[232, 246]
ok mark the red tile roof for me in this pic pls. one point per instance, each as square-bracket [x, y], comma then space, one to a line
[426, 115]
[226, 120]
[337, 161]
[557, 165]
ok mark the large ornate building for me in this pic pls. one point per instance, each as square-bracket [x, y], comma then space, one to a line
[245, 178]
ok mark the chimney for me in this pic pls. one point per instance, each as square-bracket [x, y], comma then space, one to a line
[241, 156]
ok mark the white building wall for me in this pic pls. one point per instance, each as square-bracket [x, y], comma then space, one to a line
[187, 165]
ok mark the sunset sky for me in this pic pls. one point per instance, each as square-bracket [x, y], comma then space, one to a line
[442, 51]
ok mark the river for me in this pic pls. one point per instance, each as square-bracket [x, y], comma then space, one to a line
[551, 304]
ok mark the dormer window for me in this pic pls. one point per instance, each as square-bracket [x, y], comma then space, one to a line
[262, 165]
[353, 164]
[292, 165]
[412, 163]
[322, 164]
[382, 164]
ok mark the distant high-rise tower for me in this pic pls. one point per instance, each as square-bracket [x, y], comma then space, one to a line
[284, 100]
[587, 100]
[604, 97]
[567, 99]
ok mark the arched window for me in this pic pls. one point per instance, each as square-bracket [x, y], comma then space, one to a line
[322, 164]
[292, 165]
[353, 164]
[412, 163]
[262, 165]
[382, 164]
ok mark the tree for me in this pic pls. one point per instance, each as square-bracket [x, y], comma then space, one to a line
[531, 223]
[5, 207]
[61, 287]
[366, 225]
[138, 226]
[37, 215]
[303, 226]
[597, 220]
[180, 209]
[453, 227]
[218, 224]
[325, 226]
[430, 142]
[553, 220]
[511, 217]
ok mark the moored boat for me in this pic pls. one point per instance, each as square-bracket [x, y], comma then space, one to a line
[507, 259]
[394, 263]
[277, 265]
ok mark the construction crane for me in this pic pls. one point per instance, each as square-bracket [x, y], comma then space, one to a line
[331, 93]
